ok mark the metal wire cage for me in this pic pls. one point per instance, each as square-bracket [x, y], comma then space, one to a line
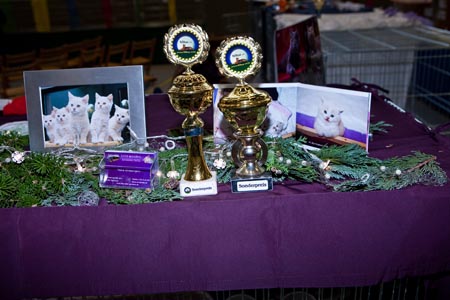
[412, 63]
[405, 289]
[399, 289]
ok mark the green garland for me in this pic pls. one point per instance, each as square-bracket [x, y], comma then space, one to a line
[48, 179]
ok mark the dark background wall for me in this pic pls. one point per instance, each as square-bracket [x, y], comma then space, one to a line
[27, 25]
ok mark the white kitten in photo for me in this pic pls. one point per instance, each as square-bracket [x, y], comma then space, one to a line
[328, 122]
[100, 118]
[277, 119]
[118, 122]
[78, 107]
[49, 122]
[63, 126]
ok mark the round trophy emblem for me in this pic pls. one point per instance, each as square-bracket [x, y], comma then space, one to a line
[186, 44]
[239, 57]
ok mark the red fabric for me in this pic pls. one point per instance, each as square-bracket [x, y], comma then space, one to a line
[17, 106]
[107, 13]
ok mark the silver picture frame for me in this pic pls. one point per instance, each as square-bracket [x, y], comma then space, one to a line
[124, 81]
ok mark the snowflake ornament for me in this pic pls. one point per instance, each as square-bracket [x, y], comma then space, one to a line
[220, 163]
[173, 174]
[18, 157]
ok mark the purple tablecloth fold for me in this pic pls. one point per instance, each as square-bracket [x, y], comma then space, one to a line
[298, 235]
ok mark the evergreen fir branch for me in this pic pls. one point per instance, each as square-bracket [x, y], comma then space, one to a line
[380, 126]
[48, 179]
[30, 194]
[398, 173]
[158, 194]
[8, 187]
[305, 173]
[75, 184]
[178, 156]
[111, 195]
[351, 155]
[224, 175]
[346, 171]
[14, 140]
[291, 148]
[46, 163]
[423, 163]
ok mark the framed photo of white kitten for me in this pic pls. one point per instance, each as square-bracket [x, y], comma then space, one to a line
[328, 115]
[323, 115]
[87, 107]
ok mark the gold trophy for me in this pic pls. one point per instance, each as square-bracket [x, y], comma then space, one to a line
[190, 95]
[245, 108]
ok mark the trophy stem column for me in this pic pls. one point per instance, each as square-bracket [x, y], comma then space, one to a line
[249, 153]
[196, 169]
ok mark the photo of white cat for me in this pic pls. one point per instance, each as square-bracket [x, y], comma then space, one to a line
[49, 122]
[117, 123]
[72, 124]
[276, 120]
[63, 132]
[100, 118]
[328, 121]
[328, 115]
[79, 118]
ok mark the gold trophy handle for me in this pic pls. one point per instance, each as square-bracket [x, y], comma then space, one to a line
[264, 151]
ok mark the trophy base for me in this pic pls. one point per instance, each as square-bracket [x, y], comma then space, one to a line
[198, 188]
[261, 183]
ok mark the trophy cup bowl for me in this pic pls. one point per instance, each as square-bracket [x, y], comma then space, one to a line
[190, 95]
[245, 108]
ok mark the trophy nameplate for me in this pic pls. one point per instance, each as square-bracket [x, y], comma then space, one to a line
[245, 108]
[256, 184]
[190, 95]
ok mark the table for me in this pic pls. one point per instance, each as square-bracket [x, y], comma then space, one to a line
[298, 235]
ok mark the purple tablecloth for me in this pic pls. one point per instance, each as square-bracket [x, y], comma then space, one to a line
[298, 235]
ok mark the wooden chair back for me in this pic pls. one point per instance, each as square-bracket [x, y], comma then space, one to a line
[92, 57]
[116, 54]
[142, 53]
[85, 47]
[53, 58]
[12, 68]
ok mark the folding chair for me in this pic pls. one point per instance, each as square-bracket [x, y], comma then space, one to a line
[142, 53]
[12, 68]
[116, 54]
[84, 52]
[53, 58]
